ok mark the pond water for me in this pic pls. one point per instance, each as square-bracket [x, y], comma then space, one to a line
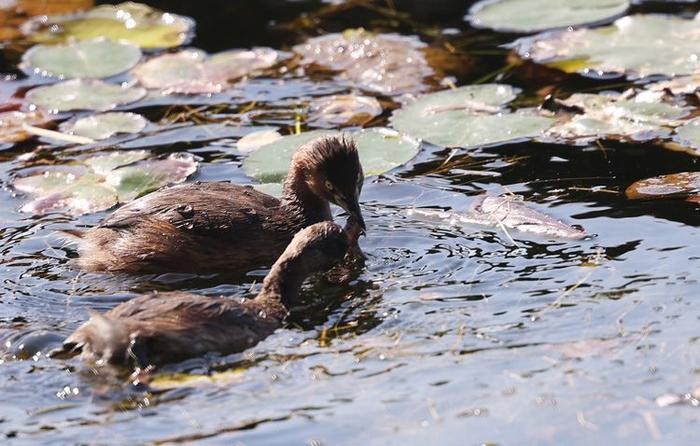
[446, 335]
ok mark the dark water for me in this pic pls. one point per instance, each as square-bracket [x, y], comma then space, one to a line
[448, 335]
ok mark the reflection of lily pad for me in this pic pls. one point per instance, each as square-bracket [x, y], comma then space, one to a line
[343, 110]
[385, 63]
[89, 59]
[105, 125]
[608, 115]
[467, 117]
[11, 125]
[80, 94]
[134, 22]
[665, 186]
[538, 15]
[101, 182]
[380, 150]
[193, 72]
[638, 46]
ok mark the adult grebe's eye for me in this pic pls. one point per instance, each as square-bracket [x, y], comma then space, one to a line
[329, 185]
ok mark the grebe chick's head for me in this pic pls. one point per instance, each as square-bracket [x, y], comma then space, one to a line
[318, 247]
[333, 172]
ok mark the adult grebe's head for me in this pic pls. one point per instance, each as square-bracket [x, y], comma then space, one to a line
[333, 172]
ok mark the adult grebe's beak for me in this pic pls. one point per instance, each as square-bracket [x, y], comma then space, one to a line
[352, 207]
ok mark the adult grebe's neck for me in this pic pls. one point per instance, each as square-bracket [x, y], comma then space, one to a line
[299, 201]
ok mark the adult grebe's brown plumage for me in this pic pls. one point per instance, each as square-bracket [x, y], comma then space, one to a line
[162, 328]
[201, 227]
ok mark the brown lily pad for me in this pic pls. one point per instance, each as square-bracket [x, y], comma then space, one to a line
[12, 125]
[675, 185]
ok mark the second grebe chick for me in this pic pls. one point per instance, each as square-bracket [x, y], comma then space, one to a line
[161, 328]
[203, 227]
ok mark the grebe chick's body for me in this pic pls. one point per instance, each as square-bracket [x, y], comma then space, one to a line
[161, 328]
[204, 227]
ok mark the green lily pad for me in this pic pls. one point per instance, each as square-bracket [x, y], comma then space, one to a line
[12, 125]
[639, 117]
[665, 186]
[104, 164]
[525, 16]
[78, 94]
[105, 125]
[191, 71]
[96, 58]
[338, 110]
[101, 182]
[467, 117]
[637, 46]
[136, 180]
[688, 135]
[384, 63]
[253, 141]
[133, 22]
[380, 150]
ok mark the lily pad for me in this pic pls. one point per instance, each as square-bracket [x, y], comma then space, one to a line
[384, 63]
[193, 72]
[340, 110]
[678, 85]
[675, 185]
[101, 182]
[133, 22]
[96, 58]
[380, 150]
[468, 117]
[255, 140]
[132, 181]
[614, 115]
[525, 16]
[104, 164]
[688, 135]
[12, 125]
[105, 125]
[507, 212]
[78, 94]
[637, 46]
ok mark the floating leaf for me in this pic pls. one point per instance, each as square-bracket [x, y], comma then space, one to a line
[80, 94]
[467, 117]
[525, 16]
[139, 179]
[104, 164]
[105, 125]
[134, 22]
[380, 150]
[688, 134]
[384, 63]
[665, 186]
[101, 182]
[193, 72]
[12, 125]
[678, 85]
[340, 110]
[96, 58]
[507, 212]
[638, 46]
[255, 140]
[614, 115]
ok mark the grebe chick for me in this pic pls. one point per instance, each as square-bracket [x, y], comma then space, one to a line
[204, 227]
[162, 328]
